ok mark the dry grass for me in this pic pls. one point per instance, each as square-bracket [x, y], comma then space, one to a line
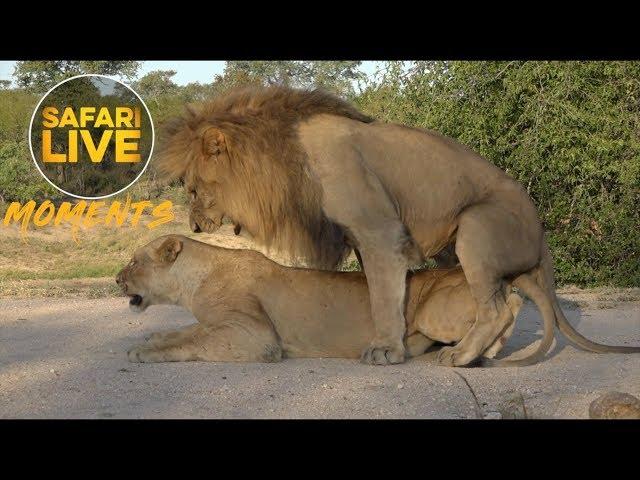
[47, 262]
[50, 253]
[599, 297]
[65, 288]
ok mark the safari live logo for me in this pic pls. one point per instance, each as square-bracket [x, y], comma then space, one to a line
[91, 137]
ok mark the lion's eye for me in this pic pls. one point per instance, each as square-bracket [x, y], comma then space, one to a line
[193, 195]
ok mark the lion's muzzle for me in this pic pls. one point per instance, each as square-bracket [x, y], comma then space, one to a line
[202, 223]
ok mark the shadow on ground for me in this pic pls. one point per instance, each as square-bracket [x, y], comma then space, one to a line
[67, 359]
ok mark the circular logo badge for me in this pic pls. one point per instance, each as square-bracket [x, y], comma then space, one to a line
[91, 136]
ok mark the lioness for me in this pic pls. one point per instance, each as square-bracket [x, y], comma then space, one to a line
[307, 173]
[252, 309]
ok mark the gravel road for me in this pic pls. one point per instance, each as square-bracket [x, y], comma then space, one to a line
[65, 358]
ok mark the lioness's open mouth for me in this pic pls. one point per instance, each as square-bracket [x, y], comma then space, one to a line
[135, 300]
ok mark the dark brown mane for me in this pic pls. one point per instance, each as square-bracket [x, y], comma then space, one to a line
[268, 189]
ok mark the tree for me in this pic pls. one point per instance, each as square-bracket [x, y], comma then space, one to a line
[15, 114]
[337, 76]
[156, 83]
[196, 91]
[19, 179]
[265, 71]
[5, 84]
[40, 76]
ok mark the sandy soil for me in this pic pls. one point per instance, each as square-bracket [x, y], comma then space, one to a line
[65, 358]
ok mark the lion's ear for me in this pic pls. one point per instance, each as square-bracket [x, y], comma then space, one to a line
[169, 250]
[213, 142]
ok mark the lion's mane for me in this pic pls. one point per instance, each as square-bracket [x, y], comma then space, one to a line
[268, 186]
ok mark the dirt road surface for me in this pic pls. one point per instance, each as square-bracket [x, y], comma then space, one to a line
[66, 358]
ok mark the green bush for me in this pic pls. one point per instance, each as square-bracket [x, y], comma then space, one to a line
[20, 180]
[568, 131]
[16, 107]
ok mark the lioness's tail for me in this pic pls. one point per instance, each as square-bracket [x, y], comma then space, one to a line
[548, 284]
[529, 284]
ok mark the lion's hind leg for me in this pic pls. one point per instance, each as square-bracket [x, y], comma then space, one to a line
[492, 242]
[244, 340]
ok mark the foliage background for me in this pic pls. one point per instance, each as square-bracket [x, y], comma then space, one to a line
[568, 131]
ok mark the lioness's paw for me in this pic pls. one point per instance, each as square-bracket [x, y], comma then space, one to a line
[454, 357]
[375, 355]
[132, 355]
[154, 337]
[138, 354]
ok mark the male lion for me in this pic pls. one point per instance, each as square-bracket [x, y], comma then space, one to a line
[305, 172]
[252, 309]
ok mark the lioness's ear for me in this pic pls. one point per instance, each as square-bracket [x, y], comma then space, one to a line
[213, 142]
[169, 250]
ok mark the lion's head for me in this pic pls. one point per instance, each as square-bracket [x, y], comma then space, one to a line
[239, 156]
[148, 279]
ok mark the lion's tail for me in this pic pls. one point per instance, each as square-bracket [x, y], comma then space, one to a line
[539, 285]
[548, 284]
[529, 284]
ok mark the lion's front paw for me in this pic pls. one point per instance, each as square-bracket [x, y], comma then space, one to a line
[382, 355]
[454, 357]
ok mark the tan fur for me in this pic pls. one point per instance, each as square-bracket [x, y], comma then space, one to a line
[306, 173]
[251, 309]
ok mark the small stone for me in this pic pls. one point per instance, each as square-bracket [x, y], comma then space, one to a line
[400, 386]
[615, 405]
[493, 416]
[513, 407]
[52, 370]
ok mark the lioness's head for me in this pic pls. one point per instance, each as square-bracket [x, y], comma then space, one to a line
[147, 279]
